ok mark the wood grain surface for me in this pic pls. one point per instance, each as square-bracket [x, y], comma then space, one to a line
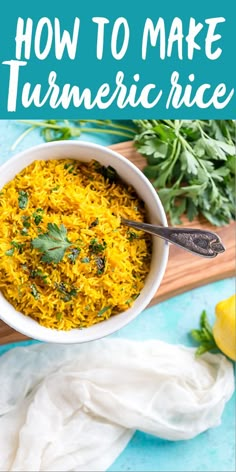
[185, 270]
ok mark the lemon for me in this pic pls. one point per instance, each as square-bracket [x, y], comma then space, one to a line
[224, 329]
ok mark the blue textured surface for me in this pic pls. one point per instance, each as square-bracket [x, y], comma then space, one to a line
[169, 321]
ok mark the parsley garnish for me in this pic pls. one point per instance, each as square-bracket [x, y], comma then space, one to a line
[26, 221]
[23, 199]
[100, 262]
[95, 247]
[108, 173]
[70, 167]
[73, 254]
[38, 273]
[94, 223]
[132, 235]
[24, 232]
[38, 216]
[10, 252]
[103, 310]
[52, 244]
[85, 260]
[15, 245]
[34, 292]
[68, 293]
[204, 336]
[132, 299]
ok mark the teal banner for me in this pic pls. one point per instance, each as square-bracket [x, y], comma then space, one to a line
[123, 60]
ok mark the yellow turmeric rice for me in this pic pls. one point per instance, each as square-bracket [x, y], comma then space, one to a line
[65, 259]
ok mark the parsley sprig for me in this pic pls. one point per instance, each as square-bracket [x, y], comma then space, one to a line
[53, 243]
[57, 130]
[204, 336]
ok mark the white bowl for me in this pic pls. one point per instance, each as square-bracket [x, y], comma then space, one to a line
[85, 151]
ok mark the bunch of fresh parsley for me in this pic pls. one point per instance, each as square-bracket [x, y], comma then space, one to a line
[192, 164]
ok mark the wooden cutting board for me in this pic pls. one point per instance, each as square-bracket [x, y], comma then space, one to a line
[185, 270]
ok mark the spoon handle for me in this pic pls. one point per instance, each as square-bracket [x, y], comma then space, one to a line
[204, 243]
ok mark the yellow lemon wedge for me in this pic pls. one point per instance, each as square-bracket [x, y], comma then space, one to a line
[224, 329]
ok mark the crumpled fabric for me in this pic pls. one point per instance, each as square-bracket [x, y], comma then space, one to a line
[75, 408]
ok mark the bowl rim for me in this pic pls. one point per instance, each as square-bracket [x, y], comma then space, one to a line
[107, 329]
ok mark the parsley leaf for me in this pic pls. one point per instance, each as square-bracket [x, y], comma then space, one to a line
[10, 252]
[24, 232]
[73, 254]
[70, 167]
[26, 221]
[34, 292]
[67, 293]
[132, 235]
[94, 223]
[108, 173]
[103, 310]
[95, 247]
[85, 260]
[18, 246]
[38, 273]
[23, 199]
[38, 216]
[52, 244]
[100, 262]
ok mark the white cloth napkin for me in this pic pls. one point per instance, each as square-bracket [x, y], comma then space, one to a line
[67, 408]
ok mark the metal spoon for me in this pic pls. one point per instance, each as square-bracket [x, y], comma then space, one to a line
[204, 243]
